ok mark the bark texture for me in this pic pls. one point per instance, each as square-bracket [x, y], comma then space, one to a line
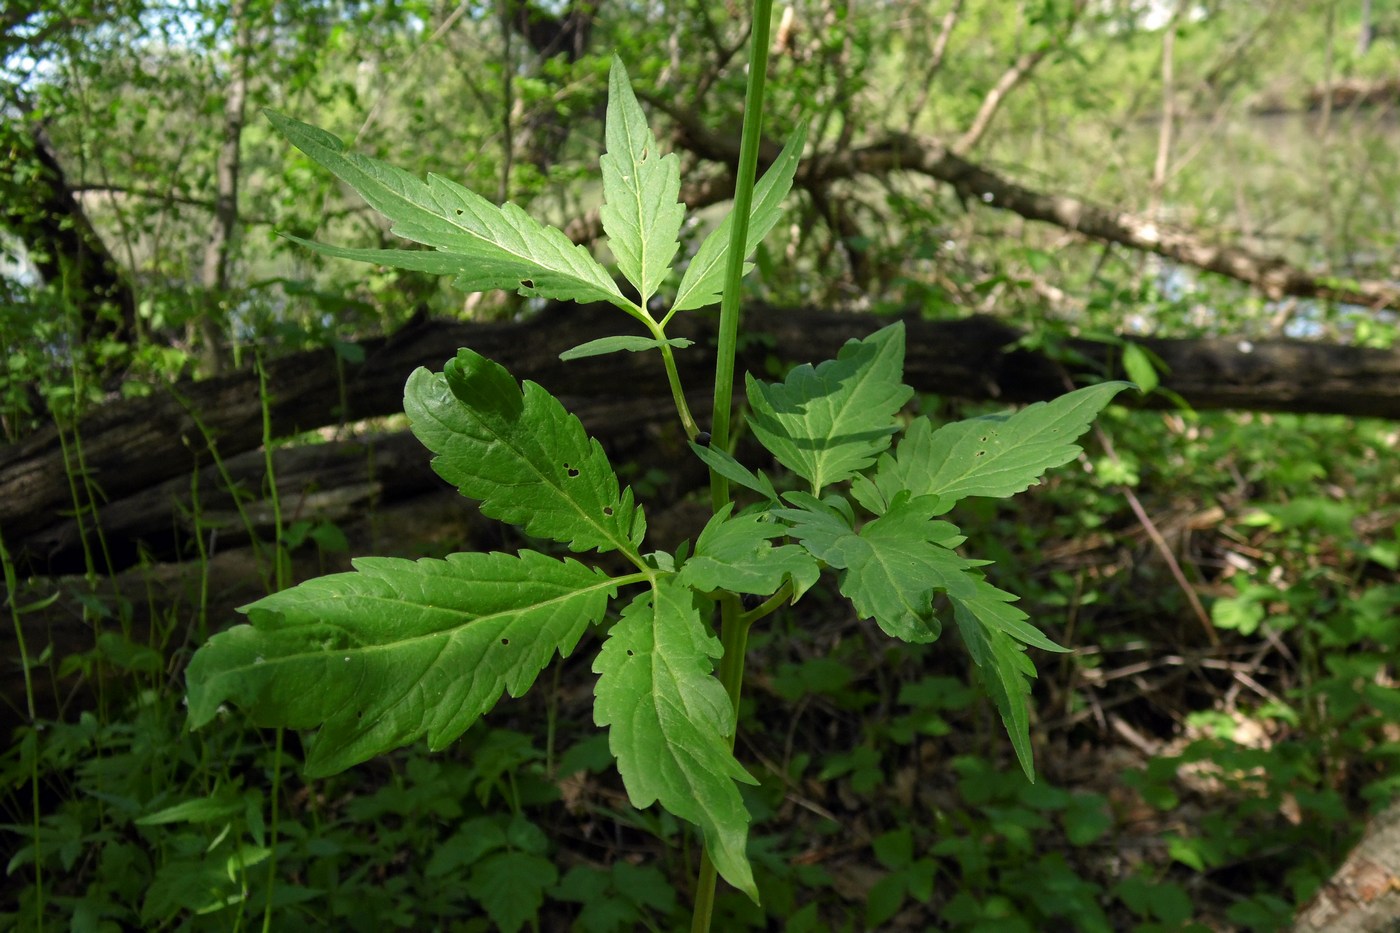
[134, 457]
[1363, 896]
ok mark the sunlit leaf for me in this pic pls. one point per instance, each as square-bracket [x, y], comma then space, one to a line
[631, 343]
[827, 422]
[641, 212]
[994, 456]
[892, 567]
[490, 247]
[670, 722]
[704, 276]
[1139, 367]
[397, 650]
[734, 471]
[737, 554]
[1006, 673]
[520, 453]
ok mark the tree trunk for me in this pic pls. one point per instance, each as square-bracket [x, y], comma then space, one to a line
[39, 207]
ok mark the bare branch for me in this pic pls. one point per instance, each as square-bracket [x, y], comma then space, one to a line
[1274, 276]
[992, 102]
[940, 49]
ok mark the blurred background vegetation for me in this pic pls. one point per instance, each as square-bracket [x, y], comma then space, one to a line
[1212, 748]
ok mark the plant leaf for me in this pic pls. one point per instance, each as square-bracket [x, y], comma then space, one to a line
[1140, 367]
[641, 211]
[736, 554]
[525, 457]
[703, 280]
[826, 423]
[396, 650]
[1006, 673]
[995, 456]
[498, 247]
[511, 887]
[891, 568]
[725, 465]
[671, 724]
[615, 344]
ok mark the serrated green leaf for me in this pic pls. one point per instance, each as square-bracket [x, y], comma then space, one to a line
[511, 886]
[1006, 674]
[736, 554]
[616, 344]
[703, 280]
[725, 465]
[495, 247]
[396, 650]
[891, 568]
[520, 453]
[995, 456]
[828, 422]
[823, 531]
[670, 722]
[641, 211]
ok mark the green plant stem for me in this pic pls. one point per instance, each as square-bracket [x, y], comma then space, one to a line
[729, 307]
[734, 629]
[282, 578]
[12, 587]
[692, 430]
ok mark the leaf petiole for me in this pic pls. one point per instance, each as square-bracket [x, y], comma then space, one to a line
[769, 606]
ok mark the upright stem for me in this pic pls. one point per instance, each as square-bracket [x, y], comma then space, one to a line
[734, 628]
[729, 306]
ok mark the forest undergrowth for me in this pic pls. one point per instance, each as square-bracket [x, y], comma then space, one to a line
[1184, 783]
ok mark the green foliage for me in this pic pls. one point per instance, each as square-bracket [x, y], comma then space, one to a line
[522, 455]
[374, 658]
[828, 423]
[138, 827]
[399, 650]
[672, 725]
[640, 212]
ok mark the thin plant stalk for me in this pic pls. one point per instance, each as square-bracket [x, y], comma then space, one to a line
[282, 577]
[734, 629]
[12, 587]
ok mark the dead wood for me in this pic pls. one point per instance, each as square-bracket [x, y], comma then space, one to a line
[1363, 895]
[1273, 276]
[138, 456]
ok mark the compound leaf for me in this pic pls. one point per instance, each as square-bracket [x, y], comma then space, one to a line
[737, 554]
[641, 211]
[396, 650]
[703, 280]
[492, 247]
[671, 723]
[892, 568]
[520, 453]
[828, 422]
[995, 456]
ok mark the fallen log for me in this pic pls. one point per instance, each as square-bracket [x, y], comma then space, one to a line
[129, 448]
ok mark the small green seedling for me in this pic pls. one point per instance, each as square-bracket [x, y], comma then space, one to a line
[400, 650]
